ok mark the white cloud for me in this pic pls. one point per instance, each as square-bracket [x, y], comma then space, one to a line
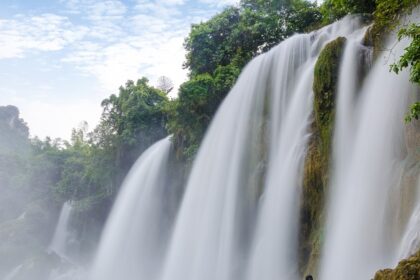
[171, 2]
[102, 16]
[151, 45]
[220, 3]
[110, 40]
[96, 9]
[109, 10]
[150, 56]
[45, 32]
[115, 45]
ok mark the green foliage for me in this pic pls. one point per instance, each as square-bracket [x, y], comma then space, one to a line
[24, 175]
[315, 179]
[191, 113]
[312, 203]
[410, 59]
[218, 49]
[387, 17]
[134, 117]
[266, 5]
[238, 34]
[414, 112]
[90, 167]
[97, 162]
[206, 44]
[42, 174]
[389, 12]
[386, 12]
[29, 171]
[325, 86]
[333, 10]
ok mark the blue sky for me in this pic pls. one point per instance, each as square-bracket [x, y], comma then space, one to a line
[60, 58]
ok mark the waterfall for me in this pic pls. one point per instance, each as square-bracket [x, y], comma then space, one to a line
[354, 55]
[368, 154]
[134, 238]
[411, 242]
[239, 215]
[61, 238]
[264, 121]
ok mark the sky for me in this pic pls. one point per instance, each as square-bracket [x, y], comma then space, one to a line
[60, 58]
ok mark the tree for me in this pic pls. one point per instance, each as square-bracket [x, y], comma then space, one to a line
[96, 162]
[217, 51]
[238, 34]
[333, 10]
[264, 5]
[131, 121]
[410, 59]
[165, 84]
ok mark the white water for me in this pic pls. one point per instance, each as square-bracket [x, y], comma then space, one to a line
[274, 250]
[239, 215]
[411, 242]
[349, 79]
[134, 237]
[367, 162]
[212, 236]
[59, 243]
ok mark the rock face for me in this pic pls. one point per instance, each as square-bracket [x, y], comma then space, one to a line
[408, 269]
[413, 139]
[316, 175]
[317, 160]
[25, 238]
[410, 172]
[325, 87]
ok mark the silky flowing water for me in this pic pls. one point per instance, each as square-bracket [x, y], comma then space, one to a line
[59, 244]
[239, 215]
[134, 238]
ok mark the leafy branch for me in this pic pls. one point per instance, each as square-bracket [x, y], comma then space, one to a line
[410, 59]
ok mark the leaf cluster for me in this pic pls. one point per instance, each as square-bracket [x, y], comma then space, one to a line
[333, 10]
[410, 59]
[217, 51]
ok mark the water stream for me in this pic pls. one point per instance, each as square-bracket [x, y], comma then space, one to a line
[239, 215]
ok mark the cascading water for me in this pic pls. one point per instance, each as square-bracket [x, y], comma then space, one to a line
[59, 243]
[367, 164]
[355, 54]
[270, 106]
[240, 212]
[274, 255]
[134, 238]
[274, 250]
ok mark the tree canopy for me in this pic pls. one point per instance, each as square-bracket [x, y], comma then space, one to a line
[90, 167]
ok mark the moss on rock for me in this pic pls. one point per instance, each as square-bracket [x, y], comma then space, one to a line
[408, 269]
[317, 159]
[312, 205]
[387, 17]
[325, 87]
